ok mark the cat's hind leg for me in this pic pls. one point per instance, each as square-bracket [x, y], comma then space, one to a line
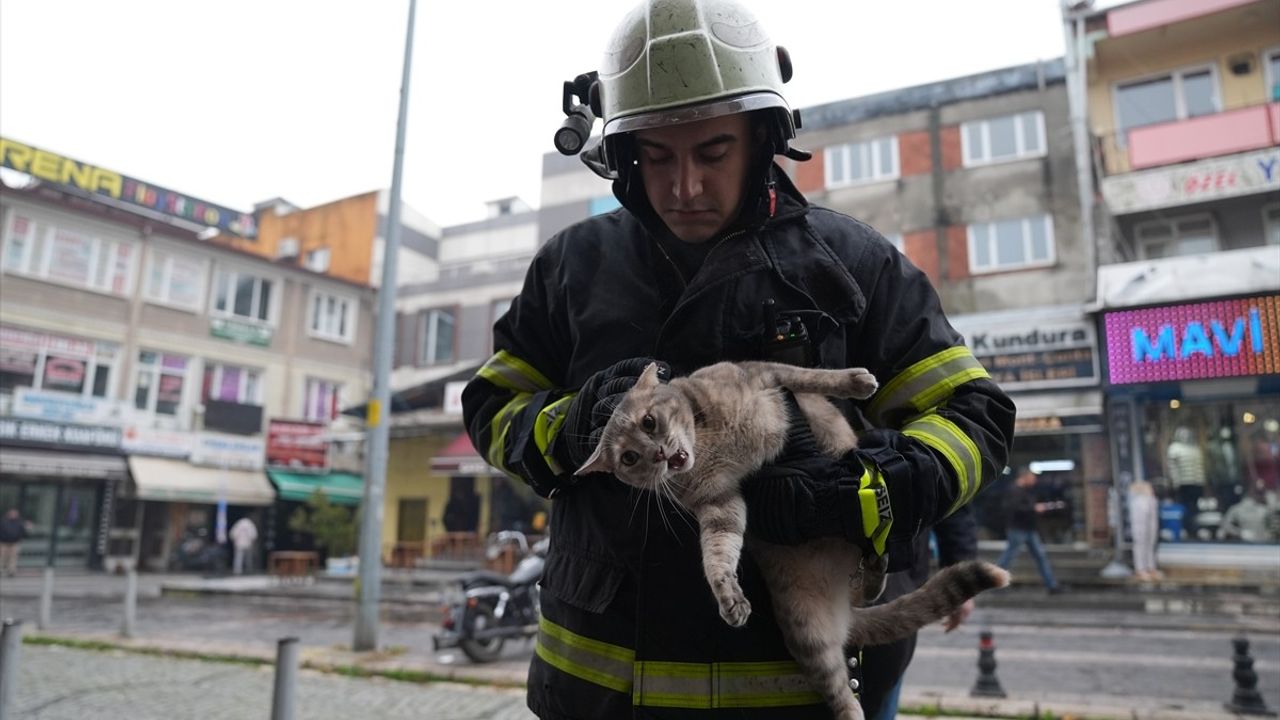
[854, 383]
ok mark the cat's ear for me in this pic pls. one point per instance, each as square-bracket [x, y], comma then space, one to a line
[598, 462]
[649, 378]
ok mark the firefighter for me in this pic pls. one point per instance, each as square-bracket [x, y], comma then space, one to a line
[714, 255]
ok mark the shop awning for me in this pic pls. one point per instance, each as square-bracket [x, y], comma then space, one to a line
[341, 488]
[1055, 413]
[177, 481]
[459, 457]
[16, 461]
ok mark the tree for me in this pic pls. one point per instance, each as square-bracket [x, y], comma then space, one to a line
[333, 526]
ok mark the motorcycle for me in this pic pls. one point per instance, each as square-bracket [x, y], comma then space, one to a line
[490, 608]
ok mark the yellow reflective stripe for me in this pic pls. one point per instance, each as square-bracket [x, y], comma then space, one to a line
[928, 382]
[596, 662]
[508, 371]
[498, 429]
[959, 449]
[547, 425]
[870, 491]
[721, 685]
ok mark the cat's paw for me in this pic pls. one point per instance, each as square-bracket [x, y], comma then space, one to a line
[859, 383]
[735, 609]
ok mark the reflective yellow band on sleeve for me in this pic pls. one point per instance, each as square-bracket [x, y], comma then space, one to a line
[927, 383]
[498, 430]
[547, 425]
[508, 371]
[959, 449]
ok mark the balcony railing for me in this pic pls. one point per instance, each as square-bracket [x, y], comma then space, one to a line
[1232, 131]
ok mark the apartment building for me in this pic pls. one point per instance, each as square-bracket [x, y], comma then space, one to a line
[154, 385]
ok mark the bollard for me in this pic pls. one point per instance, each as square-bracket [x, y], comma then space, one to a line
[987, 684]
[286, 678]
[1246, 700]
[10, 646]
[46, 599]
[130, 603]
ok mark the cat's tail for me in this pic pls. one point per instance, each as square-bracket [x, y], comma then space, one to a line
[942, 595]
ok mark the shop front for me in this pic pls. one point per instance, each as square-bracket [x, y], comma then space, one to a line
[1047, 360]
[1193, 398]
[63, 478]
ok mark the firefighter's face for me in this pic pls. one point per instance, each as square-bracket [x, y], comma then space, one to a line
[694, 173]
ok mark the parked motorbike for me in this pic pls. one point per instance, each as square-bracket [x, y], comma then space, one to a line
[197, 552]
[490, 608]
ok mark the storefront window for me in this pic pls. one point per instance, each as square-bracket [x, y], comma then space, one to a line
[1216, 468]
[1057, 462]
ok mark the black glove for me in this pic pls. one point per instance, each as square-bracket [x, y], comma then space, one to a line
[804, 494]
[591, 408]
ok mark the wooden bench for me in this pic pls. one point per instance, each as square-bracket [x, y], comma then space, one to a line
[293, 564]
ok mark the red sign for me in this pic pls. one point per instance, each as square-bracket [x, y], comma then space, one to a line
[297, 445]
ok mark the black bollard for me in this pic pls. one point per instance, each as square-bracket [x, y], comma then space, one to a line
[987, 685]
[1246, 700]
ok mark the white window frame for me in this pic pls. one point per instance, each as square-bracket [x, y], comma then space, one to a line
[242, 395]
[235, 271]
[1268, 77]
[1268, 223]
[154, 397]
[992, 253]
[870, 154]
[102, 256]
[310, 387]
[1179, 97]
[167, 282]
[1172, 223]
[426, 348]
[313, 256]
[351, 306]
[99, 355]
[1020, 141]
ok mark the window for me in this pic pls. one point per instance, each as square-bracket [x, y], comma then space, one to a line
[862, 162]
[322, 400]
[318, 260]
[1176, 96]
[175, 280]
[1010, 137]
[66, 256]
[232, 384]
[53, 362]
[333, 317]
[1271, 224]
[1189, 235]
[1011, 244]
[241, 295]
[160, 382]
[1271, 63]
[437, 337]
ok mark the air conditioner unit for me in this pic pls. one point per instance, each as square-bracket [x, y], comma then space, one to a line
[287, 248]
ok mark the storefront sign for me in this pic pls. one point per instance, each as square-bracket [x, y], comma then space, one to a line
[228, 451]
[66, 407]
[41, 432]
[241, 332]
[139, 440]
[85, 179]
[1225, 338]
[1037, 355]
[298, 445]
[1243, 174]
[453, 397]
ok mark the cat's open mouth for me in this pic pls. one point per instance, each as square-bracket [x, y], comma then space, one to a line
[677, 461]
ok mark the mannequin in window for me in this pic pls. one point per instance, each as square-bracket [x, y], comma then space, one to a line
[1249, 520]
[1224, 467]
[1144, 522]
[1184, 466]
[1264, 457]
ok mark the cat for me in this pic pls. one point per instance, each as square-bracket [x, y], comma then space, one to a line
[694, 439]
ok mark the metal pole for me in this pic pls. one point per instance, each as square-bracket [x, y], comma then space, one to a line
[370, 581]
[10, 648]
[282, 705]
[46, 590]
[130, 603]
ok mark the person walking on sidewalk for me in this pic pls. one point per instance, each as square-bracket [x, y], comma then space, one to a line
[1022, 512]
[13, 529]
[243, 535]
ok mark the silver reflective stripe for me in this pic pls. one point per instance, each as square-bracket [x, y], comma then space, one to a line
[591, 660]
[927, 383]
[721, 685]
[508, 371]
[959, 449]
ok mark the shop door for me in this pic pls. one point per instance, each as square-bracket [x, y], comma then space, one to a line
[75, 515]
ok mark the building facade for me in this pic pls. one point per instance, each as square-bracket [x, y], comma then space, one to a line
[1183, 112]
[143, 374]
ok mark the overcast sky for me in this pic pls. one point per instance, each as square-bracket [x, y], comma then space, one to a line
[238, 101]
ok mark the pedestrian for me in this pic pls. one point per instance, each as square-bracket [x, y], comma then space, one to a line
[1144, 524]
[714, 255]
[243, 536]
[13, 530]
[1022, 511]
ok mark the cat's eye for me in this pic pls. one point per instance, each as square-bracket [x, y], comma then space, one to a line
[630, 457]
[648, 424]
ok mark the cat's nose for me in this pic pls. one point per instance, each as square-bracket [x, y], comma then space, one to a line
[661, 456]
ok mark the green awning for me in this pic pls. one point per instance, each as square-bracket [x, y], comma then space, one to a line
[341, 488]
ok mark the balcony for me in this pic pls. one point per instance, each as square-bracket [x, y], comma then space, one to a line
[1208, 136]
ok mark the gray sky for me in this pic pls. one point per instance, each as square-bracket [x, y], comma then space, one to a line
[237, 101]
